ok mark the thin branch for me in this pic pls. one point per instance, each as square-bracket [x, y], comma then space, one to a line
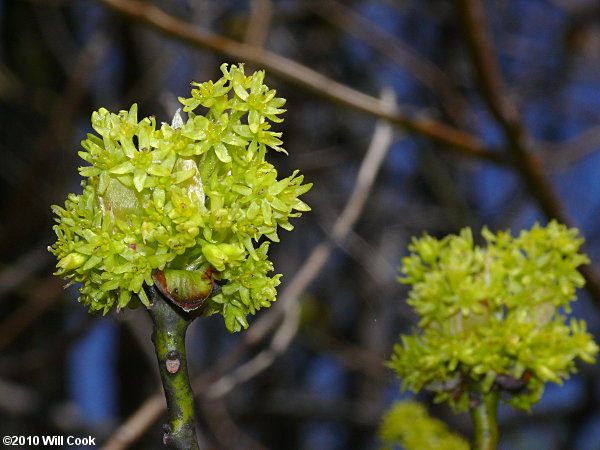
[380, 270]
[33, 183]
[43, 297]
[170, 324]
[259, 22]
[135, 426]
[18, 399]
[493, 88]
[29, 262]
[139, 326]
[56, 35]
[563, 155]
[353, 357]
[401, 54]
[259, 363]
[301, 405]
[226, 431]
[490, 80]
[302, 76]
[483, 408]
[38, 359]
[484, 62]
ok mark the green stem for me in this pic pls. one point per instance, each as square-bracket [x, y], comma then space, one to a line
[483, 414]
[168, 335]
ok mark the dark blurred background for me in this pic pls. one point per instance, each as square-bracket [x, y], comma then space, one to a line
[496, 123]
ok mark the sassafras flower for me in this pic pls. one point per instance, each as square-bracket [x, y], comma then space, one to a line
[181, 203]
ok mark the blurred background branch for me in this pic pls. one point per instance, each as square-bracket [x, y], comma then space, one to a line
[299, 74]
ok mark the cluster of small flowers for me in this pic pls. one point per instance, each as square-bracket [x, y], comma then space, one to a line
[193, 195]
[493, 315]
[408, 425]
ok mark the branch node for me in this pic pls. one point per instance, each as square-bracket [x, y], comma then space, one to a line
[166, 434]
[172, 362]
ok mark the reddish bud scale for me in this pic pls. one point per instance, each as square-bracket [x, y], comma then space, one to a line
[187, 289]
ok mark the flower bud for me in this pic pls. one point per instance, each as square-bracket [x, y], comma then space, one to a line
[72, 261]
[219, 254]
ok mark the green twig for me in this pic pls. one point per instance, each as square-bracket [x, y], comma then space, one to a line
[168, 335]
[483, 414]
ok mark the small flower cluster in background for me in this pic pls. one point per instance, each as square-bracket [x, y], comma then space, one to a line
[493, 315]
[196, 195]
[408, 424]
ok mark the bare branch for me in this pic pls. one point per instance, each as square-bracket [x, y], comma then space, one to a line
[44, 296]
[28, 263]
[492, 85]
[224, 428]
[259, 22]
[303, 76]
[61, 126]
[404, 56]
[17, 399]
[563, 155]
[135, 426]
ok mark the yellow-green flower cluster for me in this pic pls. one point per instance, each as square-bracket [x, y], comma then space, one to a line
[494, 314]
[193, 195]
[408, 424]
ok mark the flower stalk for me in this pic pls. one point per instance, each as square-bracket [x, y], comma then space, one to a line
[483, 408]
[170, 324]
